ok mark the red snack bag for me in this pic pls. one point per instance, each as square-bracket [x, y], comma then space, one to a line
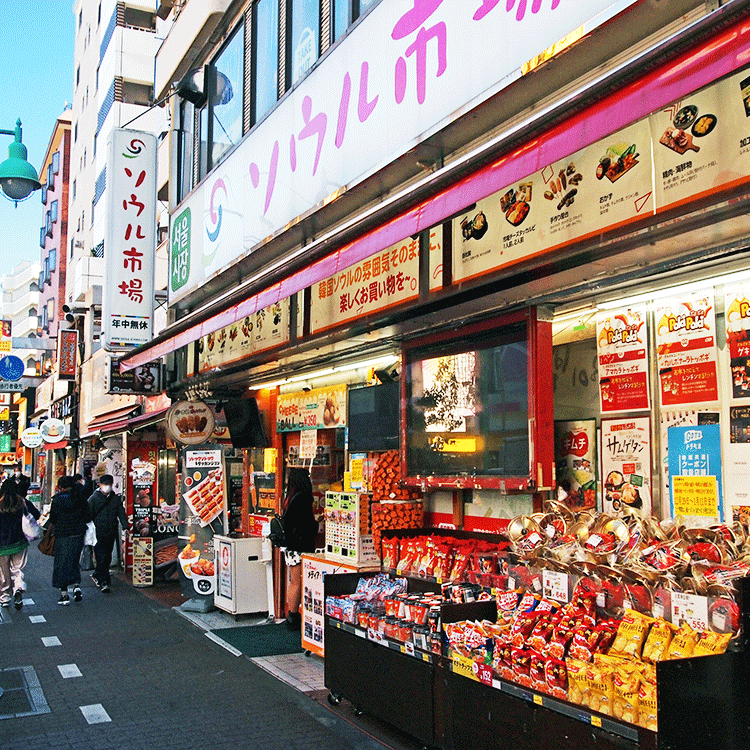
[561, 637]
[607, 635]
[502, 662]
[521, 660]
[390, 548]
[583, 644]
[542, 632]
[547, 605]
[443, 561]
[556, 675]
[529, 602]
[522, 627]
[507, 601]
[536, 672]
[460, 563]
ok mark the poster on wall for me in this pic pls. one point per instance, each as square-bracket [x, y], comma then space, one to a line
[317, 409]
[575, 461]
[737, 321]
[622, 360]
[737, 464]
[626, 465]
[695, 474]
[202, 503]
[686, 348]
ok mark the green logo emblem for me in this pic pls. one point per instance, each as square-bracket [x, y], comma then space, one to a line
[179, 256]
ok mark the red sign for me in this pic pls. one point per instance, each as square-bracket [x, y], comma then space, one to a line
[67, 354]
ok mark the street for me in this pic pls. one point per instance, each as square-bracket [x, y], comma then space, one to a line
[148, 679]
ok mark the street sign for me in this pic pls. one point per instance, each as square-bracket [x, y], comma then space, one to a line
[8, 386]
[11, 367]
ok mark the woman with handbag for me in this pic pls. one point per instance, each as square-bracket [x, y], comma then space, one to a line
[70, 515]
[13, 544]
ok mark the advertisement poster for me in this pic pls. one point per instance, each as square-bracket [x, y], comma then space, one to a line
[626, 465]
[143, 561]
[234, 495]
[317, 409]
[575, 461]
[737, 463]
[686, 349]
[737, 320]
[201, 507]
[695, 474]
[622, 360]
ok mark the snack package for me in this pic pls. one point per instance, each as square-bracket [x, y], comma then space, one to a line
[502, 663]
[658, 641]
[607, 635]
[631, 634]
[443, 560]
[561, 636]
[522, 627]
[390, 549]
[536, 672]
[683, 644]
[542, 632]
[710, 644]
[647, 705]
[521, 661]
[627, 685]
[460, 563]
[556, 674]
[583, 643]
[577, 685]
[507, 601]
[600, 686]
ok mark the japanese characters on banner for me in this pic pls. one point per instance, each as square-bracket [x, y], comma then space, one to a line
[737, 320]
[626, 464]
[67, 354]
[737, 463]
[6, 331]
[129, 239]
[623, 360]
[389, 278]
[686, 349]
[319, 408]
[267, 328]
[575, 461]
[695, 474]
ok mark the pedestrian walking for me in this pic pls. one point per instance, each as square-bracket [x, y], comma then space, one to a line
[13, 543]
[21, 481]
[69, 513]
[87, 488]
[106, 510]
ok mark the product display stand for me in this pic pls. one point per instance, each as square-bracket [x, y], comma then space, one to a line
[702, 701]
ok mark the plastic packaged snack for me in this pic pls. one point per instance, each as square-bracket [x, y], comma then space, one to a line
[521, 661]
[710, 644]
[556, 675]
[683, 644]
[536, 672]
[600, 686]
[577, 684]
[631, 634]
[657, 643]
[647, 716]
[627, 685]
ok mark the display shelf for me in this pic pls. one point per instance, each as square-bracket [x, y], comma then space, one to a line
[408, 649]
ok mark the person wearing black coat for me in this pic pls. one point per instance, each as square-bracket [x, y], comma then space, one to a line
[106, 510]
[13, 543]
[69, 514]
[20, 481]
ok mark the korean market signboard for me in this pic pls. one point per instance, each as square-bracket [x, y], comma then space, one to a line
[622, 360]
[686, 349]
[130, 240]
[319, 408]
[737, 319]
[695, 474]
[626, 465]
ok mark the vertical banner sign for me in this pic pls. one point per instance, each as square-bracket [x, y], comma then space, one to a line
[626, 464]
[686, 349]
[6, 332]
[129, 240]
[67, 354]
[737, 464]
[575, 461]
[695, 474]
[737, 316]
[623, 360]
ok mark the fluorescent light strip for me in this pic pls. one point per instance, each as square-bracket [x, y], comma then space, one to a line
[327, 371]
[693, 286]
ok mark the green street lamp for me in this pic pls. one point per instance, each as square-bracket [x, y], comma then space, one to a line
[18, 179]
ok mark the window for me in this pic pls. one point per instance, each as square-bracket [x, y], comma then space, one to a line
[265, 56]
[136, 93]
[185, 146]
[78, 75]
[84, 158]
[50, 178]
[32, 312]
[226, 96]
[43, 195]
[31, 363]
[203, 143]
[305, 37]
[75, 133]
[80, 18]
[74, 188]
[47, 272]
[52, 256]
[33, 287]
[340, 18]
[99, 14]
[53, 212]
[56, 162]
[140, 19]
[50, 309]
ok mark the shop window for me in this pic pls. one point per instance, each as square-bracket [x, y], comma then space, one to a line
[265, 56]
[344, 13]
[226, 86]
[305, 37]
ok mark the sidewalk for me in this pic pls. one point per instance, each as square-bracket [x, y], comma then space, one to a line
[123, 671]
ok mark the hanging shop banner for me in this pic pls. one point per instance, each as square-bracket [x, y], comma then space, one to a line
[575, 461]
[53, 430]
[623, 360]
[695, 474]
[267, 328]
[686, 349]
[67, 354]
[386, 279]
[141, 486]
[202, 503]
[317, 409]
[190, 422]
[626, 464]
[6, 333]
[143, 380]
[129, 239]
[737, 320]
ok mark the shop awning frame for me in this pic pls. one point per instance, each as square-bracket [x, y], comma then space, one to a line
[110, 422]
[669, 77]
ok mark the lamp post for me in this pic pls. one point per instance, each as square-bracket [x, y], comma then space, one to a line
[18, 179]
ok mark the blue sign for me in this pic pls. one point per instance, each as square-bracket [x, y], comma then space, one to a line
[11, 368]
[695, 452]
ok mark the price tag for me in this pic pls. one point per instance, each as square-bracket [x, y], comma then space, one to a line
[511, 582]
[596, 721]
[409, 648]
[555, 586]
[402, 649]
[627, 604]
[361, 633]
[601, 599]
[426, 657]
[536, 583]
[484, 673]
[719, 621]
[439, 580]
[538, 700]
[658, 610]
[691, 609]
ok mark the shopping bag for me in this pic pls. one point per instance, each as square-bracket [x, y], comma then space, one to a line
[87, 558]
[276, 531]
[30, 527]
[47, 543]
[90, 535]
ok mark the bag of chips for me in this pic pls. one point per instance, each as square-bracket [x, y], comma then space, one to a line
[556, 674]
[536, 672]
[683, 644]
[710, 644]
[502, 662]
[600, 686]
[647, 705]
[658, 641]
[521, 659]
[631, 634]
[627, 685]
[577, 687]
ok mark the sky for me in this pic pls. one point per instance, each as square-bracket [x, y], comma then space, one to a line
[36, 80]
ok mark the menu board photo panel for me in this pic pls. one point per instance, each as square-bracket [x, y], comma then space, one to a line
[626, 465]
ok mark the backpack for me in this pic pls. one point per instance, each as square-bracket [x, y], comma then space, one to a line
[276, 531]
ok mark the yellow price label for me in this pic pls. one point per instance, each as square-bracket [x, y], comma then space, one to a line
[695, 496]
[538, 700]
[596, 721]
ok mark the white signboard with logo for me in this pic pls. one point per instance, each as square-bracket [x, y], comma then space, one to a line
[129, 240]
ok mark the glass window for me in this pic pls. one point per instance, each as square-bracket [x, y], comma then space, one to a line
[203, 144]
[56, 162]
[339, 18]
[47, 276]
[305, 36]
[226, 96]
[266, 46]
[53, 211]
[185, 147]
[52, 259]
[51, 308]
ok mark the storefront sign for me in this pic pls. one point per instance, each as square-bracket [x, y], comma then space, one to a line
[626, 465]
[737, 320]
[143, 562]
[62, 408]
[575, 461]
[130, 240]
[5, 443]
[319, 408]
[389, 278]
[695, 454]
[6, 330]
[267, 328]
[31, 437]
[190, 422]
[53, 430]
[67, 354]
[143, 380]
[622, 360]
[686, 349]
[141, 489]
